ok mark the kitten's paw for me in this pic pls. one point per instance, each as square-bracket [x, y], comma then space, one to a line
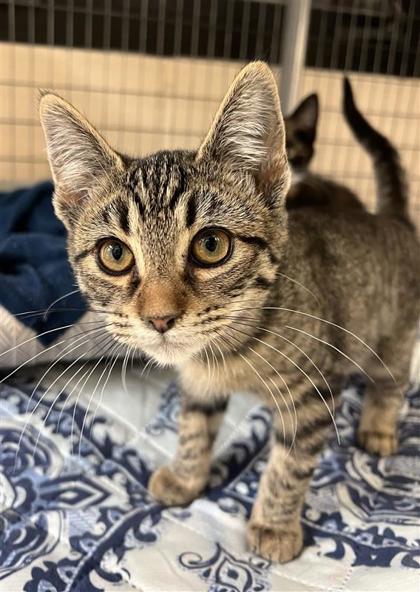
[380, 443]
[170, 490]
[281, 545]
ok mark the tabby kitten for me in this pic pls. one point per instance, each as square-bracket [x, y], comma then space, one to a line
[307, 188]
[198, 264]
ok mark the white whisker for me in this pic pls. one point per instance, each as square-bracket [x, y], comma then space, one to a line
[294, 420]
[89, 370]
[64, 327]
[299, 349]
[216, 363]
[57, 300]
[148, 363]
[97, 350]
[124, 368]
[269, 390]
[301, 370]
[327, 343]
[359, 339]
[66, 351]
[115, 350]
[249, 363]
[222, 355]
[299, 284]
[51, 407]
[208, 370]
[90, 401]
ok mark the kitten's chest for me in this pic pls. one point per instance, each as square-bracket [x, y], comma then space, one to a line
[267, 368]
[235, 374]
[213, 377]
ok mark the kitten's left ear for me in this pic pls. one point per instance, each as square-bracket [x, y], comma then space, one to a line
[80, 158]
[248, 132]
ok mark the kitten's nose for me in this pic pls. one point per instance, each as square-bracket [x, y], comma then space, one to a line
[163, 324]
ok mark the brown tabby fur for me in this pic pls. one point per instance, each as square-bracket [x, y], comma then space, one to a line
[256, 320]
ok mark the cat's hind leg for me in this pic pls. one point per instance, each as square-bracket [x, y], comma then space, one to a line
[378, 433]
[182, 481]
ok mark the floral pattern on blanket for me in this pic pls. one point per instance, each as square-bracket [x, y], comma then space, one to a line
[75, 513]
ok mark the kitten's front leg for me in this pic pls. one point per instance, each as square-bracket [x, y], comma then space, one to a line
[274, 530]
[183, 481]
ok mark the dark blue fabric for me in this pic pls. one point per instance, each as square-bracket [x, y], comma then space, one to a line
[34, 270]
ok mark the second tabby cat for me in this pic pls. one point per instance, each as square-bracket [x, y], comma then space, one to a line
[308, 188]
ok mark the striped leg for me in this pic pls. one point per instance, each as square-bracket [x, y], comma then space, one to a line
[183, 481]
[274, 530]
[378, 428]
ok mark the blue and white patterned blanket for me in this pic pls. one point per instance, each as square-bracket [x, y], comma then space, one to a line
[76, 515]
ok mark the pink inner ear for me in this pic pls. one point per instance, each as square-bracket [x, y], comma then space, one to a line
[66, 202]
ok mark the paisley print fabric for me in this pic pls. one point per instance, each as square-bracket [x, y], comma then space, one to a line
[76, 515]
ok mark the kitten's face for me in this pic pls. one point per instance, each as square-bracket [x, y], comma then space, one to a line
[198, 249]
[174, 245]
[301, 128]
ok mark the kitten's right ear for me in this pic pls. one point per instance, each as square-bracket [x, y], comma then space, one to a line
[305, 116]
[79, 156]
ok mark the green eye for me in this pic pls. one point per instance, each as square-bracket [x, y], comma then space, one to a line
[115, 257]
[211, 247]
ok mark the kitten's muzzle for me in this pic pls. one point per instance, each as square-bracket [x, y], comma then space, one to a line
[160, 303]
[162, 324]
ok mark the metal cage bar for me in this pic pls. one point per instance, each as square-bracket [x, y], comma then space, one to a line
[293, 51]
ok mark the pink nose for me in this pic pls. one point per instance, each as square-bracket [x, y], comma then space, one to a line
[162, 324]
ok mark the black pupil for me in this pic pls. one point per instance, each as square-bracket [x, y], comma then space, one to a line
[116, 251]
[211, 243]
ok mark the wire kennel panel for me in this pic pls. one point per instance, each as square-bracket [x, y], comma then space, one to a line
[338, 154]
[377, 44]
[150, 73]
[164, 103]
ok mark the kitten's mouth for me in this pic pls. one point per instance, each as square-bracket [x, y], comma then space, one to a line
[169, 349]
[172, 348]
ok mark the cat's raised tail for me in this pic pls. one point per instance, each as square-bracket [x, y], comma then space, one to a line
[392, 191]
